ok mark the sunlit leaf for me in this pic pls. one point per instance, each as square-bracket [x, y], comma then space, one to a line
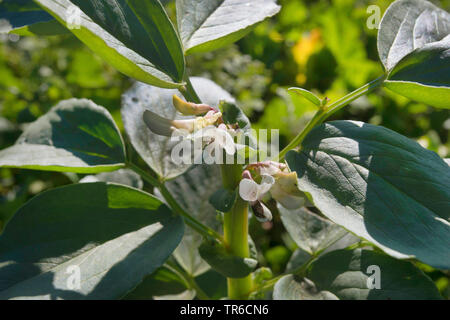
[74, 136]
[206, 25]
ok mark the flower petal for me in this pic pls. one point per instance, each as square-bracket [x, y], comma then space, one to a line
[265, 185]
[248, 190]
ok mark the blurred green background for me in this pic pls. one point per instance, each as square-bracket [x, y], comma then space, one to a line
[324, 46]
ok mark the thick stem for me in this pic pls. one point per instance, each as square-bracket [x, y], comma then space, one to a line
[236, 232]
[323, 114]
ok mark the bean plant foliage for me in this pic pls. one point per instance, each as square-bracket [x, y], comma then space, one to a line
[354, 197]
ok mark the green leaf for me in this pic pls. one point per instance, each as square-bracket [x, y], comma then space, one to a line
[213, 284]
[136, 37]
[122, 176]
[310, 232]
[379, 185]
[163, 283]
[307, 95]
[349, 275]
[74, 136]
[424, 75]
[223, 199]
[205, 25]
[408, 25]
[24, 17]
[232, 115]
[226, 264]
[192, 191]
[115, 235]
[155, 149]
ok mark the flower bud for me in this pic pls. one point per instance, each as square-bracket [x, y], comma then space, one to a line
[165, 127]
[189, 108]
[286, 192]
[261, 212]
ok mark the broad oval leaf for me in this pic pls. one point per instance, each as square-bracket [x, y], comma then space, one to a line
[358, 275]
[110, 235]
[24, 17]
[379, 185]
[424, 75]
[408, 25]
[192, 191]
[136, 37]
[205, 25]
[310, 232]
[153, 148]
[74, 136]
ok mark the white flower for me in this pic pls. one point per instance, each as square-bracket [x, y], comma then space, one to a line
[253, 192]
[250, 191]
[275, 179]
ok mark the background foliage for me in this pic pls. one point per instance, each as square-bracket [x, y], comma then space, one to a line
[324, 46]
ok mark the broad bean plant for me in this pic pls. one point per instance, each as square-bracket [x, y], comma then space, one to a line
[362, 202]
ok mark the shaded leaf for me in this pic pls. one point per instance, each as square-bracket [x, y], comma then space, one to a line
[192, 190]
[226, 264]
[124, 232]
[379, 185]
[310, 232]
[223, 199]
[162, 283]
[349, 275]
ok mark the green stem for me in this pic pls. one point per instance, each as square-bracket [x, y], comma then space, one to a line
[188, 91]
[323, 114]
[236, 221]
[236, 232]
[301, 136]
[189, 220]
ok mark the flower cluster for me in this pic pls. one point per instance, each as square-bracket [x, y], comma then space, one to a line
[272, 178]
[209, 132]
